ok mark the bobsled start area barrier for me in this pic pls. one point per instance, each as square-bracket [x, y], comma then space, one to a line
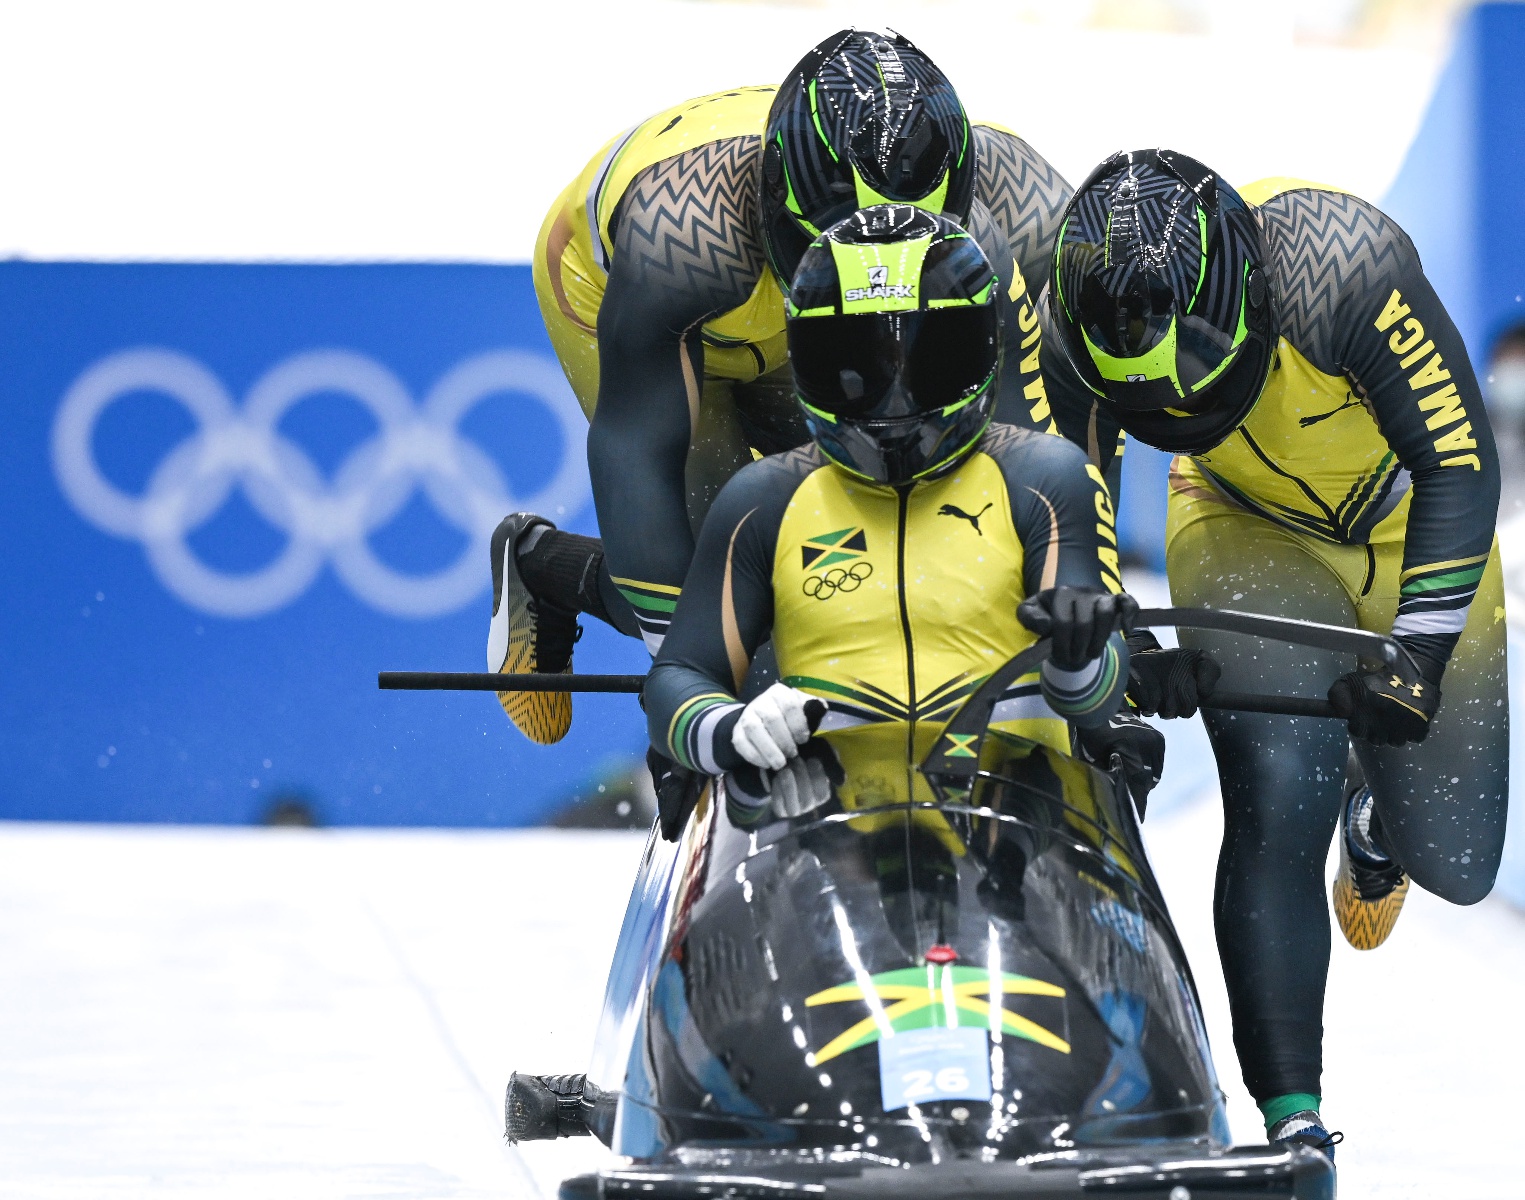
[229, 491]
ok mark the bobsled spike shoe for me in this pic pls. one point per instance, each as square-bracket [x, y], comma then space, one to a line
[527, 634]
[540, 1107]
[1370, 888]
[1305, 1128]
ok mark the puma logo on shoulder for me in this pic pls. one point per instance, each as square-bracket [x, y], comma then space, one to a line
[953, 510]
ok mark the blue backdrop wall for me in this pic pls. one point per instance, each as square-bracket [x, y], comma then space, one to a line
[231, 494]
[1461, 191]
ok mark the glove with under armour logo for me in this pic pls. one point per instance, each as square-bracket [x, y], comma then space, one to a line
[1391, 706]
[1139, 747]
[1078, 621]
[1168, 683]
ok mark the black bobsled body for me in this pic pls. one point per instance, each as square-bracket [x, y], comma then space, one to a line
[979, 996]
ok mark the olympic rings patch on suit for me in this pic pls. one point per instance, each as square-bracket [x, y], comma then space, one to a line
[325, 519]
[838, 579]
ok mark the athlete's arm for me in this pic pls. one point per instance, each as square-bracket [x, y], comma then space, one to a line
[1025, 195]
[1064, 519]
[1021, 400]
[725, 613]
[1389, 334]
[685, 249]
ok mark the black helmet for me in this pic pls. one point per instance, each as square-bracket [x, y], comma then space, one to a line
[1162, 299]
[864, 118]
[895, 342]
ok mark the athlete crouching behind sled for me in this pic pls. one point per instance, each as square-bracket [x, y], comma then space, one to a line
[906, 553]
[661, 271]
[1335, 465]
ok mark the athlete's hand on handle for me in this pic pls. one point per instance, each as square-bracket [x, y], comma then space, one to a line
[805, 783]
[1391, 706]
[1139, 746]
[1078, 620]
[799, 787]
[773, 727]
[1168, 683]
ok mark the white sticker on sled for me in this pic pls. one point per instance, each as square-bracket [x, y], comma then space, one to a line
[920, 1065]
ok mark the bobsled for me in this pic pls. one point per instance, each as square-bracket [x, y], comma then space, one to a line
[956, 978]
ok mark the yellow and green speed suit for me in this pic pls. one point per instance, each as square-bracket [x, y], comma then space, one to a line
[890, 604]
[1361, 490]
[651, 278]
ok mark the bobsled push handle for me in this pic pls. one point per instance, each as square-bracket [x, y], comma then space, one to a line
[491, 681]
[1283, 629]
[955, 759]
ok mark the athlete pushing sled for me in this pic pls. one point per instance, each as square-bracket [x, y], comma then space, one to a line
[1335, 464]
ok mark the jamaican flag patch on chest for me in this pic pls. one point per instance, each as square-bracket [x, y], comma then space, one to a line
[833, 549]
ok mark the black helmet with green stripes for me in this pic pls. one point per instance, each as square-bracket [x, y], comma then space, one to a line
[1162, 301]
[864, 118]
[895, 343]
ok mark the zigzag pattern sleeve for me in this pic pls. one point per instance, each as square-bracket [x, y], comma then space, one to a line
[1064, 518]
[723, 615]
[685, 248]
[1025, 195]
[1355, 301]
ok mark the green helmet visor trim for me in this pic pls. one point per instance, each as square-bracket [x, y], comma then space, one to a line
[1163, 361]
[1057, 273]
[1202, 265]
[933, 201]
[815, 115]
[1159, 362]
[790, 202]
[947, 411]
[1239, 339]
[906, 451]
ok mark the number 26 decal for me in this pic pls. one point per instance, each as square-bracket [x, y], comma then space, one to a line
[920, 1084]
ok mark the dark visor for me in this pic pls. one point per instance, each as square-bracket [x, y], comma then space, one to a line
[886, 365]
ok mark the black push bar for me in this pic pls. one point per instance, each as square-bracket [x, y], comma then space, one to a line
[490, 681]
[1306, 633]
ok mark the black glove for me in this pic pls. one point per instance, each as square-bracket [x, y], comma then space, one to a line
[677, 791]
[1391, 706]
[1139, 745]
[1078, 620]
[1168, 683]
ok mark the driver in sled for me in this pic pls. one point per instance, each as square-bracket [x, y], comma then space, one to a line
[902, 556]
[908, 551]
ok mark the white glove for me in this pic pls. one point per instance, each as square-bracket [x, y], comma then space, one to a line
[800, 787]
[772, 728]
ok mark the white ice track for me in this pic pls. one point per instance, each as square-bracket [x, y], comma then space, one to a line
[253, 1013]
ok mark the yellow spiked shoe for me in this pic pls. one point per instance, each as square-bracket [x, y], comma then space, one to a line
[1370, 888]
[526, 634]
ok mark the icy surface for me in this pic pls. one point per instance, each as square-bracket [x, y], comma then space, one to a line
[258, 1013]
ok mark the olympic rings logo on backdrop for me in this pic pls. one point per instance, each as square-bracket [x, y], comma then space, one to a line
[838, 579]
[325, 520]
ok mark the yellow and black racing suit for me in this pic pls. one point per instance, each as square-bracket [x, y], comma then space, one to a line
[651, 278]
[1361, 490]
[891, 604]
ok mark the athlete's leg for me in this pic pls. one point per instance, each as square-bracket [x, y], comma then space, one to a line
[717, 449]
[1441, 804]
[1281, 779]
